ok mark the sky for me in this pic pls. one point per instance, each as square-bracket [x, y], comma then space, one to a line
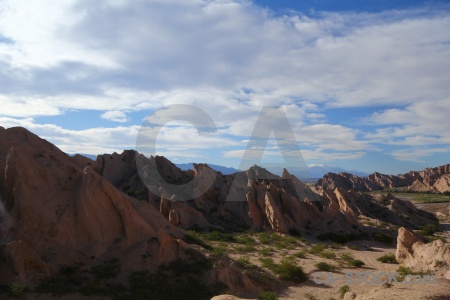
[363, 85]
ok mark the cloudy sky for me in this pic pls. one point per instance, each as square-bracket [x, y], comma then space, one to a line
[364, 85]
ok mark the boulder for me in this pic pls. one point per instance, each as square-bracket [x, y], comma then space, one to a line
[412, 252]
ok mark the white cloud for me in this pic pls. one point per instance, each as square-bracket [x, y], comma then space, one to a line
[415, 155]
[423, 123]
[88, 141]
[114, 115]
[230, 58]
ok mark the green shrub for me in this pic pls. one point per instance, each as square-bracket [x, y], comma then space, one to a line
[300, 254]
[317, 248]
[245, 248]
[244, 260]
[16, 290]
[327, 254]
[217, 236]
[288, 270]
[246, 240]
[193, 237]
[383, 238]
[268, 263]
[343, 290]
[267, 295]
[323, 266]
[404, 271]
[351, 261]
[265, 252]
[429, 229]
[388, 259]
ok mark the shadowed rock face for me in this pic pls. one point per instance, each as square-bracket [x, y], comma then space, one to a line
[255, 199]
[59, 210]
[428, 180]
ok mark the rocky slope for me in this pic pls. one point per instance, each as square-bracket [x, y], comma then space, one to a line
[254, 199]
[429, 180]
[58, 212]
[413, 252]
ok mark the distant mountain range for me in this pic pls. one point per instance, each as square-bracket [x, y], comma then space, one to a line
[314, 171]
[221, 169]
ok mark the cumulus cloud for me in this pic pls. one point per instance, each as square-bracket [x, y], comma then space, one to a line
[416, 155]
[230, 58]
[114, 115]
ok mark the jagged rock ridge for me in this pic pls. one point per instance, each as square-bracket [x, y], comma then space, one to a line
[428, 180]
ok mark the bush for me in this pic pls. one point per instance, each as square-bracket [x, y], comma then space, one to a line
[300, 254]
[265, 252]
[404, 271]
[342, 290]
[388, 259]
[323, 266]
[267, 295]
[328, 254]
[429, 229]
[383, 238]
[317, 248]
[268, 263]
[17, 290]
[288, 270]
[217, 236]
[351, 261]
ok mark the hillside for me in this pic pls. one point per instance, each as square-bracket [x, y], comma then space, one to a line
[69, 224]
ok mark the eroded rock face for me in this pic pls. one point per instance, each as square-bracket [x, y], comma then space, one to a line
[389, 209]
[59, 211]
[253, 199]
[428, 180]
[414, 253]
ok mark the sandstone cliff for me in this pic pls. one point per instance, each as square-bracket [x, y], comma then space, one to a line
[414, 253]
[59, 210]
[254, 199]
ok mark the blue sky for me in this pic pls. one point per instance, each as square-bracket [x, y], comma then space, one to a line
[363, 84]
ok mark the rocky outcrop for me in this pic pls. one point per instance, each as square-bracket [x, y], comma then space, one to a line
[428, 180]
[414, 253]
[255, 199]
[59, 210]
[387, 209]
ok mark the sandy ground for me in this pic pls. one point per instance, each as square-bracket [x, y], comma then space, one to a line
[440, 290]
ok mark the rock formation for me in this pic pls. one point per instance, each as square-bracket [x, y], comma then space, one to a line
[387, 209]
[253, 199]
[414, 253]
[59, 210]
[428, 180]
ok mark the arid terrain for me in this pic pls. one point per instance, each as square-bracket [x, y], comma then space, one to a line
[132, 227]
